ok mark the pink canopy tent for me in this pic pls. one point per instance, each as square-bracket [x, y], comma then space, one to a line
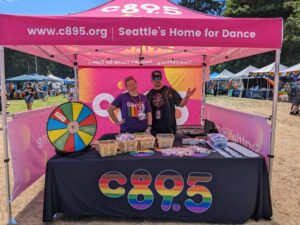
[138, 33]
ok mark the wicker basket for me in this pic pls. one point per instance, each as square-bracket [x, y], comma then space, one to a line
[107, 148]
[165, 140]
[128, 146]
[145, 141]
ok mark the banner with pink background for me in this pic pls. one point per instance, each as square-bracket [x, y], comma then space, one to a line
[248, 130]
[98, 87]
[30, 148]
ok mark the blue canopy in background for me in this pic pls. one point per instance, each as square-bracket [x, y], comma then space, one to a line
[213, 75]
[31, 78]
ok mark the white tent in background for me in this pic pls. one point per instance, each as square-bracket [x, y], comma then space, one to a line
[224, 75]
[244, 74]
[270, 68]
[53, 77]
[294, 68]
[69, 79]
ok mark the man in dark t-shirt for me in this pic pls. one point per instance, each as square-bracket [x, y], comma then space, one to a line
[163, 100]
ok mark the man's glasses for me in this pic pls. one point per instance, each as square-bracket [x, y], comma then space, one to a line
[156, 78]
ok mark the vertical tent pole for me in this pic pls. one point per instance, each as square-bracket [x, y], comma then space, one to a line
[242, 87]
[248, 83]
[274, 111]
[76, 78]
[10, 220]
[203, 89]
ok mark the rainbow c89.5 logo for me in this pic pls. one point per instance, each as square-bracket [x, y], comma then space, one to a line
[141, 197]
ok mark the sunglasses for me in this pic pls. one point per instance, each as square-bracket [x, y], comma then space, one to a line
[156, 78]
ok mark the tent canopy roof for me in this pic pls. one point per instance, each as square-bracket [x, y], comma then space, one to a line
[224, 75]
[291, 69]
[53, 77]
[31, 77]
[144, 8]
[270, 68]
[245, 72]
[144, 32]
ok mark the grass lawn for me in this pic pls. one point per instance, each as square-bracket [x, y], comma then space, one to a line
[16, 106]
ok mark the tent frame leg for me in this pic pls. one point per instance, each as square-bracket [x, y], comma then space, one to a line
[202, 119]
[10, 219]
[76, 97]
[274, 112]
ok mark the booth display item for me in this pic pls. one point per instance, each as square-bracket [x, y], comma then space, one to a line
[165, 140]
[194, 151]
[193, 141]
[125, 137]
[71, 127]
[145, 141]
[217, 140]
[107, 148]
[142, 153]
[191, 131]
[127, 142]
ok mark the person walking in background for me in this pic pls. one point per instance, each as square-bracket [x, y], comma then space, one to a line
[296, 98]
[12, 90]
[64, 90]
[71, 93]
[45, 91]
[215, 90]
[29, 95]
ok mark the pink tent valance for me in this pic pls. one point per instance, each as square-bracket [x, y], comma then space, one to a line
[124, 33]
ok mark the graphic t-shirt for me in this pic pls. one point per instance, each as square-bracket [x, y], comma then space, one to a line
[163, 102]
[134, 111]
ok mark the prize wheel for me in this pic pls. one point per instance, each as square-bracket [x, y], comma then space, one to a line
[71, 127]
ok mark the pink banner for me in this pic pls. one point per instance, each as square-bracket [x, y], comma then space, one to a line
[141, 22]
[249, 130]
[30, 148]
[98, 87]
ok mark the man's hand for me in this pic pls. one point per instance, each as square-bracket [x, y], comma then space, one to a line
[190, 92]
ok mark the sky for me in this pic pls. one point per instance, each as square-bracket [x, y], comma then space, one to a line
[48, 7]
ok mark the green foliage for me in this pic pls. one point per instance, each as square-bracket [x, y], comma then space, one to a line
[18, 63]
[289, 10]
[213, 7]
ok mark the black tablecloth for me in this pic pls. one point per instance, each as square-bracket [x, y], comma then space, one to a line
[231, 190]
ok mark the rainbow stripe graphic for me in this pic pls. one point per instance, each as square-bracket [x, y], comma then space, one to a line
[195, 189]
[107, 178]
[142, 153]
[133, 110]
[168, 193]
[140, 179]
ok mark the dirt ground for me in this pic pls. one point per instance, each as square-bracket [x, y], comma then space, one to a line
[27, 209]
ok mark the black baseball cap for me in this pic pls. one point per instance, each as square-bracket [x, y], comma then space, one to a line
[156, 74]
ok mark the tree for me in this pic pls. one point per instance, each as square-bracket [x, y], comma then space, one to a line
[18, 63]
[213, 7]
[288, 10]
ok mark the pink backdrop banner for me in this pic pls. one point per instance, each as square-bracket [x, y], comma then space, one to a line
[249, 130]
[98, 87]
[30, 148]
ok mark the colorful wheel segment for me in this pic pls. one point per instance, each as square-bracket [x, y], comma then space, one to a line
[71, 127]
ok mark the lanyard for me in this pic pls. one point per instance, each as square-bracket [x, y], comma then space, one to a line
[140, 100]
